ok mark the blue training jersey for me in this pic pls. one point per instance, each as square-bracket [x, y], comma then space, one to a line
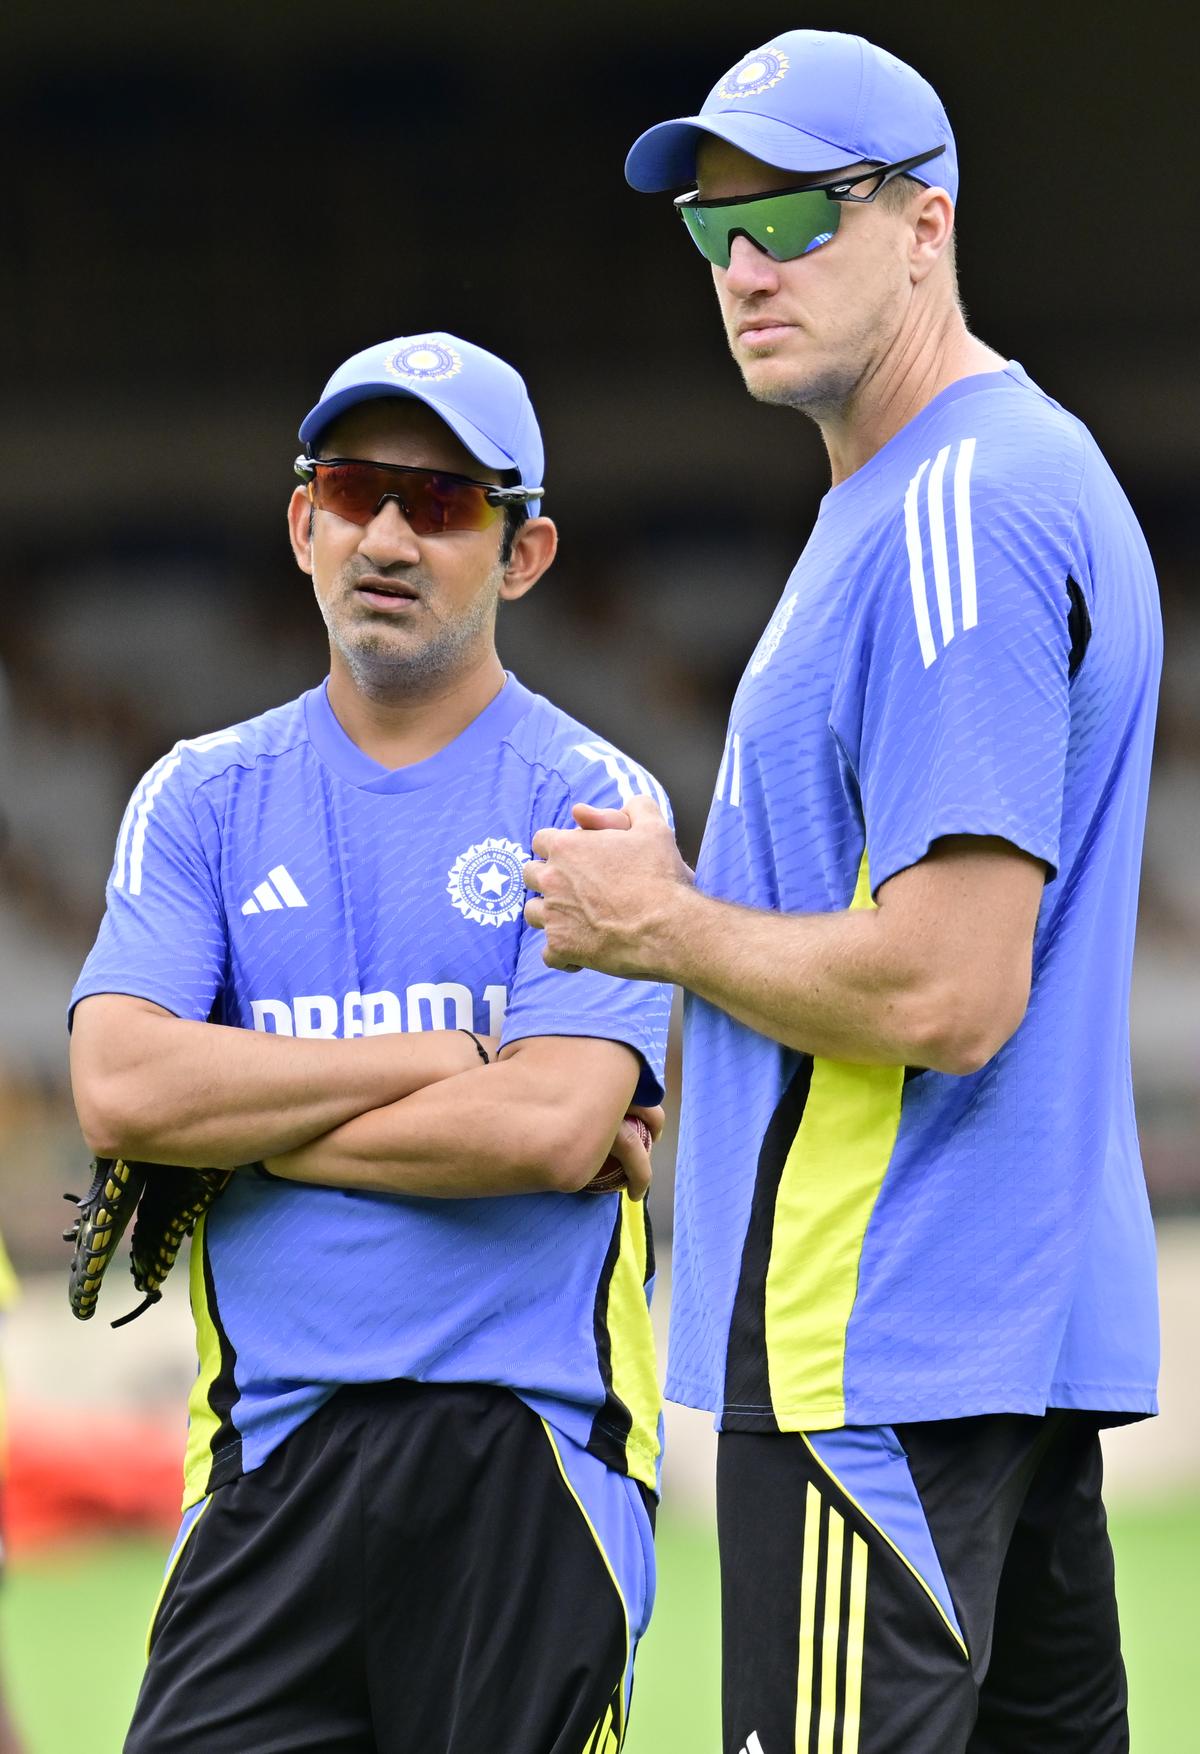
[273, 877]
[969, 644]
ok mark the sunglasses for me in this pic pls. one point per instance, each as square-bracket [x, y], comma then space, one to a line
[785, 223]
[432, 500]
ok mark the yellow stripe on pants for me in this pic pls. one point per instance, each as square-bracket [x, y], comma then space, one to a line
[809, 1568]
[818, 1656]
[855, 1639]
[829, 1641]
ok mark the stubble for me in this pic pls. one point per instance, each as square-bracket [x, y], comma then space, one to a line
[390, 659]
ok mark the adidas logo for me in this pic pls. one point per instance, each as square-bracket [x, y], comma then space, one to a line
[753, 1746]
[279, 890]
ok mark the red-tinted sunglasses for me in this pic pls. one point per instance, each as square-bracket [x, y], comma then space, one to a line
[431, 500]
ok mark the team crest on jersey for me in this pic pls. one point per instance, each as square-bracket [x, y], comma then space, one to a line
[758, 72]
[778, 625]
[486, 883]
[429, 360]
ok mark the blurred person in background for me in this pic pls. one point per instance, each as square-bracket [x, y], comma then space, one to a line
[914, 1265]
[424, 1437]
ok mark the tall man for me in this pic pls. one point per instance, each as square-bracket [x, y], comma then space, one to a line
[914, 1263]
[424, 1437]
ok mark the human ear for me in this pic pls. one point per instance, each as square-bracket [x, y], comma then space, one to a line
[534, 547]
[932, 222]
[299, 517]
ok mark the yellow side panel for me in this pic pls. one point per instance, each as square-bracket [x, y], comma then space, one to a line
[830, 1183]
[631, 1342]
[202, 1421]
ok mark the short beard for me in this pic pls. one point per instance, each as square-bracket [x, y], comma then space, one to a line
[383, 669]
[820, 398]
[829, 388]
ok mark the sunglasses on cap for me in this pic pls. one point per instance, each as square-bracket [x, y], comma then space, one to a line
[432, 500]
[785, 223]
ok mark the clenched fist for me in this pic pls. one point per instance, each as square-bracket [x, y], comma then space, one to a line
[607, 898]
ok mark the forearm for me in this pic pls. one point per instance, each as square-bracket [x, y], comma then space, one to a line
[164, 1090]
[489, 1131]
[838, 985]
[937, 974]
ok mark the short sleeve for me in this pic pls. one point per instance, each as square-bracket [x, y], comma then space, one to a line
[955, 709]
[163, 936]
[548, 1001]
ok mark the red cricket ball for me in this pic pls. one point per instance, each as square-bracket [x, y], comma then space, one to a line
[610, 1177]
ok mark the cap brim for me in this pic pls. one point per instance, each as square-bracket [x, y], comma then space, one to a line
[481, 448]
[664, 157]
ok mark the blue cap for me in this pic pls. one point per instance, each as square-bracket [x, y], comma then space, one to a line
[809, 100]
[482, 400]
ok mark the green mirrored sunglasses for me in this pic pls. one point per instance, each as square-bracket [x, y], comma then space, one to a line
[784, 223]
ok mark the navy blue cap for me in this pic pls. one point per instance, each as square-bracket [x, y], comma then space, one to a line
[809, 100]
[482, 400]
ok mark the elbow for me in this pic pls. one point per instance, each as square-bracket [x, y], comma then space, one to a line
[101, 1129]
[958, 1031]
[101, 1093]
[570, 1170]
[569, 1159]
[959, 1055]
[108, 1128]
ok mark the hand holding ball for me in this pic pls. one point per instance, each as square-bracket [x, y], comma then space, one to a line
[610, 1177]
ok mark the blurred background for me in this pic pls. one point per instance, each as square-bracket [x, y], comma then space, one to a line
[207, 208]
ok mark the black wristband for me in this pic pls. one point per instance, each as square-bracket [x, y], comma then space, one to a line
[479, 1047]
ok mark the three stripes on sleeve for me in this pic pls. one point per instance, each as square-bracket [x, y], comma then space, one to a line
[933, 475]
[131, 841]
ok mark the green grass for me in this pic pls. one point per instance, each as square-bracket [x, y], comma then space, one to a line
[73, 1626]
[74, 1629]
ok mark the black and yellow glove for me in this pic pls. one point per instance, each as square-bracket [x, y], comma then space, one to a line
[168, 1201]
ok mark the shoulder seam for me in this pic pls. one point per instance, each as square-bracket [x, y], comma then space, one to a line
[657, 790]
[251, 762]
[131, 835]
[950, 502]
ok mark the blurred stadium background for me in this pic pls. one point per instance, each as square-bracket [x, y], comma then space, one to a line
[206, 210]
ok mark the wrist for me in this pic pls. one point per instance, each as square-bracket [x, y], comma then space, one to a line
[666, 937]
[396, 1063]
[481, 1052]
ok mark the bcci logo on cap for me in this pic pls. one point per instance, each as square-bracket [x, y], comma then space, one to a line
[758, 72]
[425, 359]
[486, 883]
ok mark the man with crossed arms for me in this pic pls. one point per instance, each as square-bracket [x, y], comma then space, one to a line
[424, 1435]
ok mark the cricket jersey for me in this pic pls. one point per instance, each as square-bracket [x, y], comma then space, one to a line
[274, 877]
[969, 645]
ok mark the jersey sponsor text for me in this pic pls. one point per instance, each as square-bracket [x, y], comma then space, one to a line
[424, 1005]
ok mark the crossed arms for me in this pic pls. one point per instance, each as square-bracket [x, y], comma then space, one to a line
[938, 976]
[415, 1113]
